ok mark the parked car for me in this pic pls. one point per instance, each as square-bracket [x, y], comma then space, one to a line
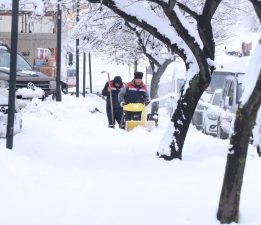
[231, 94]
[197, 119]
[4, 114]
[211, 114]
[28, 81]
[217, 82]
[230, 98]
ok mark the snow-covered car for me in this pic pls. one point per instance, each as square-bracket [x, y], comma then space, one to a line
[26, 78]
[217, 81]
[197, 119]
[230, 98]
[4, 114]
[211, 114]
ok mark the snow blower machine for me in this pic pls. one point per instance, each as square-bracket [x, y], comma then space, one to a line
[135, 114]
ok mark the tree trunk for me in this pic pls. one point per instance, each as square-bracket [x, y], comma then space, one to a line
[135, 65]
[230, 195]
[228, 210]
[183, 114]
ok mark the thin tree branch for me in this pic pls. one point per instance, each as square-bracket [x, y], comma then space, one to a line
[187, 10]
[149, 56]
[143, 24]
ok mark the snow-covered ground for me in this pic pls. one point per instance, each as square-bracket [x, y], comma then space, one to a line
[68, 168]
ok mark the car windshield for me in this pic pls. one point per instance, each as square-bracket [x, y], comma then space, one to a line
[217, 80]
[21, 63]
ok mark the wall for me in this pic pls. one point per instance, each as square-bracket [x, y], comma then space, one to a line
[45, 24]
[29, 42]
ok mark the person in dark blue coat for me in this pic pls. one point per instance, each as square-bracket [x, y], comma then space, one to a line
[116, 85]
[134, 92]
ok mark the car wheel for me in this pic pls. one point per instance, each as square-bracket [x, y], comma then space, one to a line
[53, 97]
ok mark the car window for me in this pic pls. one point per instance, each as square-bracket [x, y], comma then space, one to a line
[231, 94]
[4, 59]
[216, 99]
[226, 86]
[21, 63]
[71, 73]
[217, 80]
[239, 92]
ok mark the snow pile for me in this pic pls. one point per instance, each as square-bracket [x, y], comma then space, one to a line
[33, 92]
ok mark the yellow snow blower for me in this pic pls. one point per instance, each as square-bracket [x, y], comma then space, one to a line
[136, 115]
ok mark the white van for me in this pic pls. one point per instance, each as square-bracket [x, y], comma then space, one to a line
[231, 94]
[217, 82]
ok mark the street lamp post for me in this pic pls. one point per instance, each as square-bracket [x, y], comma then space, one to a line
[59, 49]
[90, 72]
[77, 53]
[12, 81]
[84, 74]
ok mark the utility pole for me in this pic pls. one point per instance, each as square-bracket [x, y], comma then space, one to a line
[59, 50]
[12, 81]
[90, 72]
[84, 74]
[77, 53]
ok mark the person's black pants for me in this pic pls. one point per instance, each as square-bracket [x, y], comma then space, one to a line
[117, 116]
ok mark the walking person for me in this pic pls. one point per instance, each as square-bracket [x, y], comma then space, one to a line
[113, 88]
